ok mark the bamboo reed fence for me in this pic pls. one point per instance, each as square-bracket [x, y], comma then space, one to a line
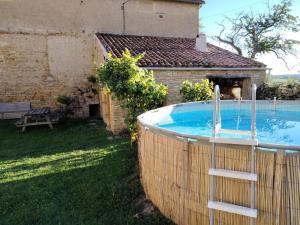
[174, 174]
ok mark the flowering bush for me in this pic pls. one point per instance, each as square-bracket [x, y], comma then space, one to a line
[202, 91]
[133, 86]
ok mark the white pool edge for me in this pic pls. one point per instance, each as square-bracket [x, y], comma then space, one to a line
[198, 138]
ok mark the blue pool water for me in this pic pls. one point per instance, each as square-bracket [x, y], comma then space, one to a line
[280, 126]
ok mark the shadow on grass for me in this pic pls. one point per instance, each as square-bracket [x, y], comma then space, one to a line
[38, 141]
[71, 175]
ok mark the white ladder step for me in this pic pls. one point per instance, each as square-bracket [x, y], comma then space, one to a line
[233, 174]
[233, 141]
[238, 132]
[231, 208]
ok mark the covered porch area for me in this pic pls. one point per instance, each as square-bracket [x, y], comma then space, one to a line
[233, 86]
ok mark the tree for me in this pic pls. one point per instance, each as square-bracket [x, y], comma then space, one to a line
[251, 34]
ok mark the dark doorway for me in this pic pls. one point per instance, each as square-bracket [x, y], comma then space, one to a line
[94, 111]
[228, 86]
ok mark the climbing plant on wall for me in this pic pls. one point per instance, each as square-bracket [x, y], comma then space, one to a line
[135, 87]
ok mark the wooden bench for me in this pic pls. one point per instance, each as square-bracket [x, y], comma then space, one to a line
[17, 107]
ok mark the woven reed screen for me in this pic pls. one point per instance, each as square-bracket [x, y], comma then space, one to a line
[174, 174]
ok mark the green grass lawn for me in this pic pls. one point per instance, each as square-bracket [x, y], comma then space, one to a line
[72, 174]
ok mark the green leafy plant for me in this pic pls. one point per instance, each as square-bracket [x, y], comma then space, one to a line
[267, 90]
[63, 99]
[283, 90]
[133, 86]
[291, 82]
[202, 91]
[92, 79]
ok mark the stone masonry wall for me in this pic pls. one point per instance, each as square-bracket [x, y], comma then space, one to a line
[38, 67]
[143, 17]
[112, 112]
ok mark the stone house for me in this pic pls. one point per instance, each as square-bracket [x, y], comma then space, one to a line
[174, 60]
[49, 48]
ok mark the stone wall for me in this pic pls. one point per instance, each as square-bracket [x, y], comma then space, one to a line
[38, 67]
[142, 17]
[112, 112]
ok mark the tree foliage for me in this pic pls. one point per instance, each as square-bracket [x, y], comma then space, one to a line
[287, 90]
[133, 86]
[63, 99]
[202, 91]
[251, 34]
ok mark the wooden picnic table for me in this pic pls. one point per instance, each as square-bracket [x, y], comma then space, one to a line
[36, 117]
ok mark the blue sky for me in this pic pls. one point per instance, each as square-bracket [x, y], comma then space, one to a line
[215, 10]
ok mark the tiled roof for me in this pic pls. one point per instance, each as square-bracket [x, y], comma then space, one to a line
[173, 52]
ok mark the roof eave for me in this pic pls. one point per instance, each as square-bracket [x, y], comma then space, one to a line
[209, 68]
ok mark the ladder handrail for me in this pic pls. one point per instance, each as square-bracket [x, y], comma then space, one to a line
[253, 155]
[217, 110]
[253, 113]
[274, 103]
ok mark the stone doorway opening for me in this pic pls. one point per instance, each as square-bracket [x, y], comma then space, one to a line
[231, 88]
[94, 111]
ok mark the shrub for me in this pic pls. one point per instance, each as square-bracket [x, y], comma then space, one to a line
[92, 79]
[64, 100]
[202, 91]
[291, 83]
[133, 86]
[267, 91]
[288, 90]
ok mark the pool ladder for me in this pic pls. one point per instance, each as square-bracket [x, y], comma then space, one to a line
[215, 172]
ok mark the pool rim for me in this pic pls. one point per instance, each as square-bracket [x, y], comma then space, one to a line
[198, 138]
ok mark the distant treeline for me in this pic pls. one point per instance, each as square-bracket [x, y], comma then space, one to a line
[286, 76]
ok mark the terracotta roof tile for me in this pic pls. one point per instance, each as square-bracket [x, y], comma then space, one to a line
[173, 52]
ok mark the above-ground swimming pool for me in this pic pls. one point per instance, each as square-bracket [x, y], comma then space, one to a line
[277, 123]
[175, 158]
